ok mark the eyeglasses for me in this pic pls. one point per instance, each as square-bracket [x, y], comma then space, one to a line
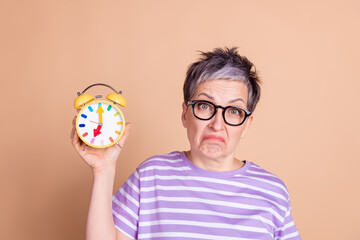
[205, 110]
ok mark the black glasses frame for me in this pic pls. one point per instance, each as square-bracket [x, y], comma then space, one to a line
[193, 102]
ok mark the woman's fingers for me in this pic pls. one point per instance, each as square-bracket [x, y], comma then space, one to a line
[75, 140]
[79, 145]
[73, 128]
[125, 135]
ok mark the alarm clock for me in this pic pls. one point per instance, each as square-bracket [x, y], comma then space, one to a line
[100, 123]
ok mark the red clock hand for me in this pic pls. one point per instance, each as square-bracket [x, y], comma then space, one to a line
[97, 130]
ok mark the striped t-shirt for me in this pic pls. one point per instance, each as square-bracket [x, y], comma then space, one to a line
[168, 197]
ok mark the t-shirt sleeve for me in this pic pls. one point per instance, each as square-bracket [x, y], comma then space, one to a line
[288, 229]
[125, 205]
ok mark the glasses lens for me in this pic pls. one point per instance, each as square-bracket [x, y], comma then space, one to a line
[204, 110]
[234, 115]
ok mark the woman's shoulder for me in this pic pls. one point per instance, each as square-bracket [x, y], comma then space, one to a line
[266, 178]
[163, 161]
[258, 170]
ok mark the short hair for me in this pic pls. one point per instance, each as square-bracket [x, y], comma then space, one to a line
[223, 64]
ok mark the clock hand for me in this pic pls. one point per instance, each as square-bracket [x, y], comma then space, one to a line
[97, 130]
[100, 112]
[96, 123]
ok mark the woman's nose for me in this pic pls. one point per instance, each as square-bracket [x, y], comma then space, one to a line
[217, 121]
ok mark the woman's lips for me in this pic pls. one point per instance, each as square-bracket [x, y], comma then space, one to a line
[214, 138]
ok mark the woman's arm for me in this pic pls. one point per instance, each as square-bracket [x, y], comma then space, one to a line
[100, 224]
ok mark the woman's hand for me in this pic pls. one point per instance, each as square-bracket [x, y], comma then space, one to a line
[99, 159]
[100, 224]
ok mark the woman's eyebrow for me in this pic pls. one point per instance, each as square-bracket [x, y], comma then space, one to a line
[206, 95]
[237, 99]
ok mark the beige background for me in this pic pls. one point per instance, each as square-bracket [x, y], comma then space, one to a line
[305, 130]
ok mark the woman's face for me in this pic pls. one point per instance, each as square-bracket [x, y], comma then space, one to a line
[214, 138]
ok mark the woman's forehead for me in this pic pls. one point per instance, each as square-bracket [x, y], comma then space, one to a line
[227, 90]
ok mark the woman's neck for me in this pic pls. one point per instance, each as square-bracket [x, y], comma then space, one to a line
[214, 164]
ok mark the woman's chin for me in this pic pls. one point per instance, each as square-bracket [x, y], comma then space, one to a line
[212, 150]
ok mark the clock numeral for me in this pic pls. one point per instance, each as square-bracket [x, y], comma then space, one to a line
[119, 123]
[117, 132]
[116, 114]
[85, 134]
[109, 107]
[111, 139]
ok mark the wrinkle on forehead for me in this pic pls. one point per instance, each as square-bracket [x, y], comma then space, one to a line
[223, 90]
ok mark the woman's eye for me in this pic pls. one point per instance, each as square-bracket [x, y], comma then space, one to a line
[204, 106]
[234, 111]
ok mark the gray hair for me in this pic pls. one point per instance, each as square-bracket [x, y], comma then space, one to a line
[223, 64]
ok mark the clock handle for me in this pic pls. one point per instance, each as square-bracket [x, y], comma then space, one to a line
[100, 84]
[84, 98]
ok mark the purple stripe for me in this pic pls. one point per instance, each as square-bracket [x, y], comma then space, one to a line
[210, 207]
[205, 218]
[218, 196]
[210, 230]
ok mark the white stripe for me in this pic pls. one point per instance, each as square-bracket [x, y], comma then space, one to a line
[290, 224]
[264, 180]
[288, 213]
[136, 174]
[255, 166]
[291, 235]
[269, 175]
[269, 182]
[203, 224]
[161, 160]
[209, 190]
[164, 168]
[263, 174]
[130, 198]
[173, 154]
[215, 202]
[127, 209]
[207, 212]
[212, 180]
[132, 186]
[124, 220]
[123, 232]
[189, 235]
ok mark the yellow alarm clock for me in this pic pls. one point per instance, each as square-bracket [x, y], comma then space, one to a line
[100, 123]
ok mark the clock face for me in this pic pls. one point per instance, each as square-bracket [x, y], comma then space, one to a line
[100, 124]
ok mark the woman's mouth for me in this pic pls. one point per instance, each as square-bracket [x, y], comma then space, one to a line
[214, 138]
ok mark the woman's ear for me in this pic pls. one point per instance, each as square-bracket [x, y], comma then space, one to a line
[183, 115]
[247, 124]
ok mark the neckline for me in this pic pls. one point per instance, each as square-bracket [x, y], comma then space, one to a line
[209, 173]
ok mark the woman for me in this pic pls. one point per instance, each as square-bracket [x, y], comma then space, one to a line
[202, 193]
